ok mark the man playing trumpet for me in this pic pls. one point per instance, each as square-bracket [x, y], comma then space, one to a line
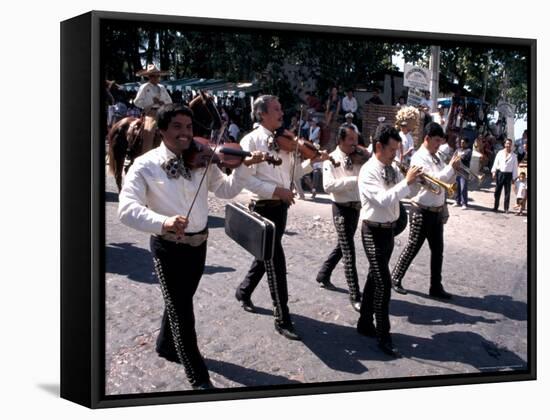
[428, 212]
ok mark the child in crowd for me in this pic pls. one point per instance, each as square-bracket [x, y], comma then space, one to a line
[520, 189]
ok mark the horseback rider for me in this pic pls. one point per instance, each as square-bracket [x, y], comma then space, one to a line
[150, 97]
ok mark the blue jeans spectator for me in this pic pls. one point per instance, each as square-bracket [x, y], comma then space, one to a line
[461, 191]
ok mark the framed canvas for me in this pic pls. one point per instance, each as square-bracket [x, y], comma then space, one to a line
[112, 302]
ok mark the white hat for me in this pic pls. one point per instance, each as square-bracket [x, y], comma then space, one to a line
[349, 115]
[150, 70]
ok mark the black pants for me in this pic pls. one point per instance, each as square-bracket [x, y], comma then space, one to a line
[424, 224]
[504, 179]
[345, 221]
[275, 268]
[179, 269]
[378, 244]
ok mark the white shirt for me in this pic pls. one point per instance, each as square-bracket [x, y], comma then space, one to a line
[264, 176]
[380, 200]
[314, 134]
[506, 163]
[424, 159]
[521, 188]
[234, 131]
[438, 118]
[445, 151]
[148, 91]
[340, 183]
[349, 105]
[428, 103]
[408, 143]
[149, 197]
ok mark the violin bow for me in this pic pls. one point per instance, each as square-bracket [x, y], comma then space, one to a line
[217, 142]
[295, 153]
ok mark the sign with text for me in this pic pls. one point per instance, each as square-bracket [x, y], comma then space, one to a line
[416, 77]
[414, 97]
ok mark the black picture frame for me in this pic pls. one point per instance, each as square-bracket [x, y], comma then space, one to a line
[83, 219]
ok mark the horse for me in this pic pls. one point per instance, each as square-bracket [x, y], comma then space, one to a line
[125, 138]
[125, 141]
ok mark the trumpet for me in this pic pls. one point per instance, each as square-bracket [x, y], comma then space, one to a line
[432, 184]
[463, 170]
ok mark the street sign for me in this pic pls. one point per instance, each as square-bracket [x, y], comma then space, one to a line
[414, 97]
[416, 77]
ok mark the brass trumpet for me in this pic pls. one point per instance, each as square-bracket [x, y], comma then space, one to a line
[463, 170]
[432, 184]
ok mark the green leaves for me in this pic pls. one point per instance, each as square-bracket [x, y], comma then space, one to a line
[273, 59]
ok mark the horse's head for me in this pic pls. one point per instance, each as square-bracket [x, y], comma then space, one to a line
[205, 115]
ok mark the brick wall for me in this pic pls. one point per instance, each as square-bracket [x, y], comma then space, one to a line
[372, 112]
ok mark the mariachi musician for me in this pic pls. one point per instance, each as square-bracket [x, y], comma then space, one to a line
[381, 186]
[156, 198]
[341, 183]
[428, 212]
[271, 188]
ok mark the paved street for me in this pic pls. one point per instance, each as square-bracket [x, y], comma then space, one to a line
[483, 328]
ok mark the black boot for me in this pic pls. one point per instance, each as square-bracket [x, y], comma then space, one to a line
[396, 285]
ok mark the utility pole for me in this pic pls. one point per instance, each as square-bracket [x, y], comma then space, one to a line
[434, 68]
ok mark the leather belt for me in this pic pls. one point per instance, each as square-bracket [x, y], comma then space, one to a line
[386, 225]
[265, 203]
[350, 204]
[192, 239]
[438, 209]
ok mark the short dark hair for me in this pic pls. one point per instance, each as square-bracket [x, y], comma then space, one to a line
[166, 112]
[433, 129]
[383, 134]
[343, 132]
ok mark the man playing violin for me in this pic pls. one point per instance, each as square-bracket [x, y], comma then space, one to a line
[271, 189]
[341, 183]
[156, 197]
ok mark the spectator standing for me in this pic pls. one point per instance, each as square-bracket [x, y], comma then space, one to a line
[234, 130]
[465, 154]
[505, 170]
[349, 103]
[406, 147]
[519, 146]
[349, 123]
[375, 98]
[332, 105]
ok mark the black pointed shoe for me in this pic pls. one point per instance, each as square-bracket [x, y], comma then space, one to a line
[440, 293]
[246, 304]
[389, 349]
[327, 285]
[366, 329]
[287, 331]
[203, 386]
[396, 285]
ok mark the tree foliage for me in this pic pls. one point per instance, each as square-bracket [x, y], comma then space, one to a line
[331, 61]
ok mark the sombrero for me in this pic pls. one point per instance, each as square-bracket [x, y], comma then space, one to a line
[152, 69]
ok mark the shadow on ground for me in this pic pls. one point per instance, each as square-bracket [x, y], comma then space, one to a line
[246, 376]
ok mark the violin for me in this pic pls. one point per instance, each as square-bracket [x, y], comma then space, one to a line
[286, 141]
[229, 155]
[359, 155]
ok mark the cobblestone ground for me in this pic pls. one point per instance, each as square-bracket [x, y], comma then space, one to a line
[483, 328]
